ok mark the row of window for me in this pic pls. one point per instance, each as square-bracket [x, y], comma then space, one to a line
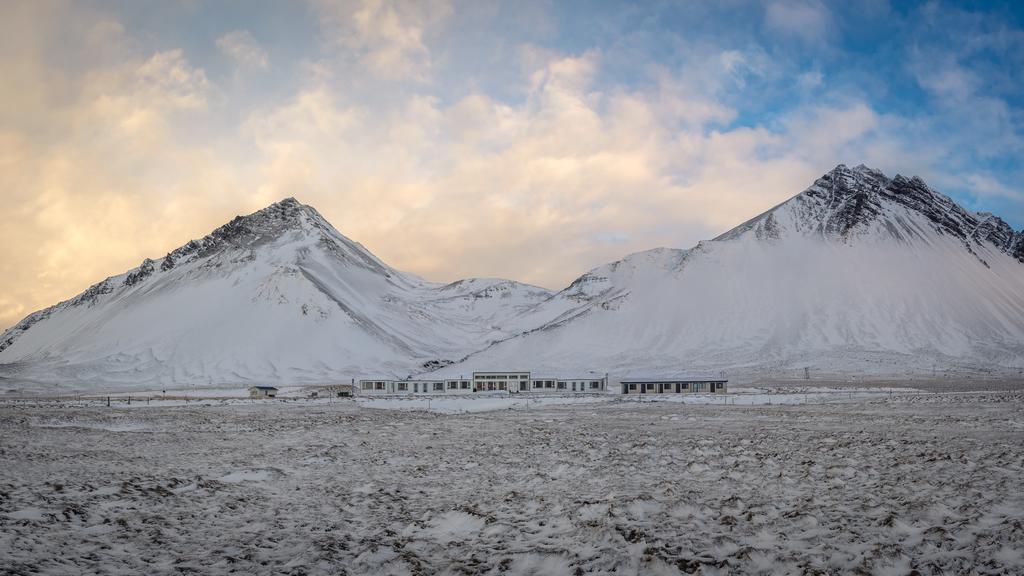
[653, 386]
[465, 385]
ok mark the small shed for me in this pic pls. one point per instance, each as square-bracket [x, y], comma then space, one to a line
[262, 392]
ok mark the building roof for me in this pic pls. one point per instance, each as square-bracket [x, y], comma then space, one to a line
[501, 371]
[263, 387]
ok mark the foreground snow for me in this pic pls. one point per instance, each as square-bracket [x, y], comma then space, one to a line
[875, 482]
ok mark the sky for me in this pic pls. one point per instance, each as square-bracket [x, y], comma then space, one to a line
[524, 140]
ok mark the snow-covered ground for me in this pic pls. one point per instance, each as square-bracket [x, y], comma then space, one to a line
[822, 481]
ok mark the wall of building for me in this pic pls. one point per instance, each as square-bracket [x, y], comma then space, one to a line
[676, 387]
[568, 385]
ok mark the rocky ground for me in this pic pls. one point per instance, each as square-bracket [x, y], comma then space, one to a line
[901, 484]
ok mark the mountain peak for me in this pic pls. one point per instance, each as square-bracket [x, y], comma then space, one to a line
[862, 201]
[285, 211]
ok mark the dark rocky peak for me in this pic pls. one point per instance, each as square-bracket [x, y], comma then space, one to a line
[847, 200]
[993, 229]
[846, 197]
[250, 231]
[1017, 248]
[145, 270]
[266, 225]
[288, 216]
[948, 217]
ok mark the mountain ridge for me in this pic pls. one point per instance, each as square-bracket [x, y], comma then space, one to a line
[859, 209]
[286, 269]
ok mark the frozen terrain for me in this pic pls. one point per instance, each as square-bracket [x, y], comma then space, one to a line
[866, 481]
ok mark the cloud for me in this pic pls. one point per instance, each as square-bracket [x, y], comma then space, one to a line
[571, 166]
[100, 174]
[386, 36]
[574, 174]
[986, 185]
[240, 46]
[809, 21]
[126, 145]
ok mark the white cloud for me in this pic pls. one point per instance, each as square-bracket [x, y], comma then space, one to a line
[167, 79]
[119, 161]
[477, 177]
[985, 185]
[809, 80]
[807, 20]
[243, 49]
[387, 37]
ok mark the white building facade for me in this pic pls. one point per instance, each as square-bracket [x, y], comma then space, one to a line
[675, 384]
[507, 381]
[569, 384]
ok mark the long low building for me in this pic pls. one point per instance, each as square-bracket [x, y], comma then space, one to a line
[569, 383]
[509, 381]
[674, 384]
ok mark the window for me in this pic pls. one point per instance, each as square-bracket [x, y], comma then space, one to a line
[367, 385]
[632, 386]
[465, 385]
[501, 385]
[439, 386]
[402, 386]
[561, 385]
[379, 385]
[652, 386]
[595, 385]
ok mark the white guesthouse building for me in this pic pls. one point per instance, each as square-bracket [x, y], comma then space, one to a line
[512, 382]
[675, 384]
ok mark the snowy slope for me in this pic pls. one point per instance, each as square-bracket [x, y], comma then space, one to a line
[278, 296]
[860, 275]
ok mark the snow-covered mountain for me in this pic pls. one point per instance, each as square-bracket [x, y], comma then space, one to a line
[276, 296]
[859, 275]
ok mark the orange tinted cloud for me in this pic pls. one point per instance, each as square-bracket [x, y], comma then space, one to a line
[140, 150]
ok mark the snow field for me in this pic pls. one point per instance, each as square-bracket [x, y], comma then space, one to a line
[926, 483]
